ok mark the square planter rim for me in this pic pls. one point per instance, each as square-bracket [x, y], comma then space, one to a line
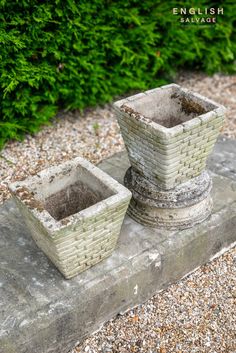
[163, 131]
[47, 220]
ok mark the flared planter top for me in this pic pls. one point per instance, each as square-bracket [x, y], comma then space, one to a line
[169, 132]
[63, 197]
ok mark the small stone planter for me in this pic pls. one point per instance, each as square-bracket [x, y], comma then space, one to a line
[168, 133]
[74, 212]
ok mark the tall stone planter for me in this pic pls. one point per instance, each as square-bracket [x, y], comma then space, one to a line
[74, 212]
[169, 133]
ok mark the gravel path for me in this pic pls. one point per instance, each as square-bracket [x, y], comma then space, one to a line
[94, 136]
[195, 315]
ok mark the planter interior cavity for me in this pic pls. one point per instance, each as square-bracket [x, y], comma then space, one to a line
[74, 198]
[170, 106]
[74, 212]
[168, 133]
[79, 192]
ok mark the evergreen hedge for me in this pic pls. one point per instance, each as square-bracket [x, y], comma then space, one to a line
[73, 54]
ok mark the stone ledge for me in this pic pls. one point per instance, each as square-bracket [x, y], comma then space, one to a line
[43, 313]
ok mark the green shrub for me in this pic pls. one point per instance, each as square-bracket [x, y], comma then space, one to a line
[73, 54]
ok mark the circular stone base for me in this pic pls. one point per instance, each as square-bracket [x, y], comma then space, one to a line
[179, 208]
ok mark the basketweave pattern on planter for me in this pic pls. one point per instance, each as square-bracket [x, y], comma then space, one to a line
[90, 243]
[186, 157]
[167, 156]
[79, 241]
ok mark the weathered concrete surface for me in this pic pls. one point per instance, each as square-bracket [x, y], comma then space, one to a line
[74, 212]
[182, 207]
[41, 312]
[169, 132]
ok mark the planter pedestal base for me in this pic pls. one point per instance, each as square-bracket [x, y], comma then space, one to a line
[181, 207]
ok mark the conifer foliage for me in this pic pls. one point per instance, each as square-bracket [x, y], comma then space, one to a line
[70, 54]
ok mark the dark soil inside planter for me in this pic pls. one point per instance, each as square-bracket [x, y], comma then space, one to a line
[181, 109]
[168, 107]
[189, 110]
[72, 199]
